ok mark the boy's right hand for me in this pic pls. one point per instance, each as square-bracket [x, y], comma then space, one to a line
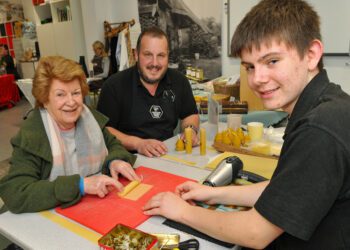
[194, 191]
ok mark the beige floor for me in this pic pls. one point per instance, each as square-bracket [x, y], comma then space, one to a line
[10, 121]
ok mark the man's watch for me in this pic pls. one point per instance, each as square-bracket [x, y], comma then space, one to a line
[193, 128]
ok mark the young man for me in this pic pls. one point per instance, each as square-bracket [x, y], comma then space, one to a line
[145, 102]
[306, 204]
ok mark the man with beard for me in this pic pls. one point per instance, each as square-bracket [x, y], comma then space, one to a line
[145, 102]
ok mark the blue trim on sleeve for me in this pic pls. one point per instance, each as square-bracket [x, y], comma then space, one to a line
[81, 186]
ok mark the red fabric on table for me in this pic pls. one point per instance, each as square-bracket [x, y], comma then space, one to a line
[102, 214]
[9, 93]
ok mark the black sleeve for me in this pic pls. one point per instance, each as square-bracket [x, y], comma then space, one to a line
[306, 183]
[187, 104]
[110, 103]
[9, 62]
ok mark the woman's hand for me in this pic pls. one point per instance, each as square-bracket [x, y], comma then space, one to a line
[117, 167]
[100, 185]
[166, 204]
[193, 191]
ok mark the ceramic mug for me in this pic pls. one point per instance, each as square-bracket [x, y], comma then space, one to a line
[255, 130]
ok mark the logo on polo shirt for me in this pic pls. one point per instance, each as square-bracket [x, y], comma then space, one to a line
[156, 111]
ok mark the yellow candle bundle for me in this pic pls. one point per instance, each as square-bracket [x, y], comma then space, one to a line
[203, 141]
[188, 139]
[128, 188]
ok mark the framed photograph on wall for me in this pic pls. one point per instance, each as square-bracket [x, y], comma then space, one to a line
[194, 31]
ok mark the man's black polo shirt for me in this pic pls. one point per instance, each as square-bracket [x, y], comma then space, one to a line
[132, 110]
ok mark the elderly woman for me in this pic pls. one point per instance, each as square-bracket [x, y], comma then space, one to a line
[63, 146]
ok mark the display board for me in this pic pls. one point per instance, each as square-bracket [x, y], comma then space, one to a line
[335, 22]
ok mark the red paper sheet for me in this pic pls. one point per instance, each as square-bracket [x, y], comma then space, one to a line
[103, 214]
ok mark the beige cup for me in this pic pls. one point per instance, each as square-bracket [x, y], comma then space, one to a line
[234, 121]
[255, 130]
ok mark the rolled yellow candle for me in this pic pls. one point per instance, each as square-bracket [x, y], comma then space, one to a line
[180, 145]
[203, 141]
[188, 138]
[128, 188]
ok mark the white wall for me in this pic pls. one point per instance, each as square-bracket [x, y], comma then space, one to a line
[230, 66]
[28, 9]
[338, 67]
[95, 12]
[92, 24]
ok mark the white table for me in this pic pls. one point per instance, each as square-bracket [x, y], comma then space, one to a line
[33, 231]
[26, 87]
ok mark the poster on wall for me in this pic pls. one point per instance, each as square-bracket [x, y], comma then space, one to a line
[194, 32]
[10, 12]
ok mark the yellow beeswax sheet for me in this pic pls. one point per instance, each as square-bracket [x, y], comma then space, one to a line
[134, 190]
[259, 165]
[138, 191]
[72, 226]
[178, 160]
[128, 188]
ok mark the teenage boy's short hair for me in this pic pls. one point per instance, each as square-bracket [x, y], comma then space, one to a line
[293, 22]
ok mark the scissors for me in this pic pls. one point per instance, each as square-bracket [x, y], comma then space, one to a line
[191, 244]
